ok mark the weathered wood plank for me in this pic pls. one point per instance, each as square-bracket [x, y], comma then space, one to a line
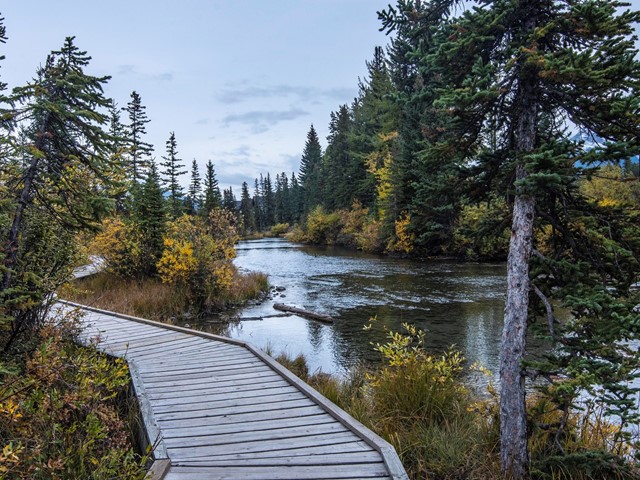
[231, 382]
[242, 418]
[206, 412]
[215, 390]
[213, 396]
[330, 458]
[266, 436]
[335, 447]
[254, 426]
[262, 400]
[194, 373]
[301, 443]
[311, 472]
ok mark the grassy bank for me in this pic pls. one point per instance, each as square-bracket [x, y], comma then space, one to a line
[150, 298]
[63, 413]
[441, 430]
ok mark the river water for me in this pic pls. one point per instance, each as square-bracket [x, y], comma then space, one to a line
[456, 303]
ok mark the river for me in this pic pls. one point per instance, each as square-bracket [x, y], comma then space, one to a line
[456, 303]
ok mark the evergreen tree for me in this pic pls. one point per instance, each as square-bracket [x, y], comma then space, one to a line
[310, 171]
[139, 152]
[61, 169]
[296, 200]
[282, 201]
[338, 164]
[212, 196]
[258, 205]
[194, 195]
[173, 169]
[247, 213]
[514, 74]
[229, 201]
[375, 117]
[150, 219]
[268, 200]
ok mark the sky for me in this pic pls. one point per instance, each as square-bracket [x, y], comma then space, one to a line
[238, 81]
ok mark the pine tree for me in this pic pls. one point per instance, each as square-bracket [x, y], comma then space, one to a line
[194, 194]
[173, 169]
[310, 165]
[212, 196]
[139, 152]
[513, 75]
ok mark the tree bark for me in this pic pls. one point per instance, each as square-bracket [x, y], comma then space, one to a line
[513, 414]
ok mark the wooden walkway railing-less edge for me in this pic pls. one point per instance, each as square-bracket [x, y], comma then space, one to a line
[162, 464]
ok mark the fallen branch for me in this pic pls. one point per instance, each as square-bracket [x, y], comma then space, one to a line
[303, 313]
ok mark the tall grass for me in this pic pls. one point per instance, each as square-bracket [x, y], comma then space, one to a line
[150, 298]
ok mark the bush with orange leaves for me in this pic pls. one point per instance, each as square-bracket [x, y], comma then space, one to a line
[197, 257]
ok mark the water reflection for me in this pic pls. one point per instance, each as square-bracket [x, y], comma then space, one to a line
[456, 303]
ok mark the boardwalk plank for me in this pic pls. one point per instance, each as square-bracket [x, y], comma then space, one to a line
[242, 417]
[311, 472]
[215, 390]
[329, 458]
[253, 400]
[300, 443]
[206, 411]
[255, 426]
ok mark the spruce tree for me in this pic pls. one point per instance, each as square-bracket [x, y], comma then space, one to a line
[515, 74]
[173, 169]
[61, 169]
[229, 201]
[150, 218]
[212, 196]
[194, 194]
[338, 164]
[310, 171]
[247, 213]
[139, 151]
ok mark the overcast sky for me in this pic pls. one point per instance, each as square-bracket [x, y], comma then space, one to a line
[239, 81]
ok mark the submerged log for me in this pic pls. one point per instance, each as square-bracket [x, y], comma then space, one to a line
[303, 313]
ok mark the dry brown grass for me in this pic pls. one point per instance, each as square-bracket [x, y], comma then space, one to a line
[150, 298]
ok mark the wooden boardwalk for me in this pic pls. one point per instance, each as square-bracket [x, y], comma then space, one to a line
[217, 408]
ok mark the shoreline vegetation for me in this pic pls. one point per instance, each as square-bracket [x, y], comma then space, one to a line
[442, 430]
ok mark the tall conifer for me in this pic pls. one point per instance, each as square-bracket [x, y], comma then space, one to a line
[173, 169]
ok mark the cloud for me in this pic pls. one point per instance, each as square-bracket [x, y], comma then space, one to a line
[261, 121]
[126, 69]
[238, 95]
[202, 121]
[162, 77]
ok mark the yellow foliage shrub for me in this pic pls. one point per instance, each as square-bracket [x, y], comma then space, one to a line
[404, 239]
[197, 256]
[119, 245]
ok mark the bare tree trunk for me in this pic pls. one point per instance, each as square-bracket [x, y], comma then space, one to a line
[513, 415]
